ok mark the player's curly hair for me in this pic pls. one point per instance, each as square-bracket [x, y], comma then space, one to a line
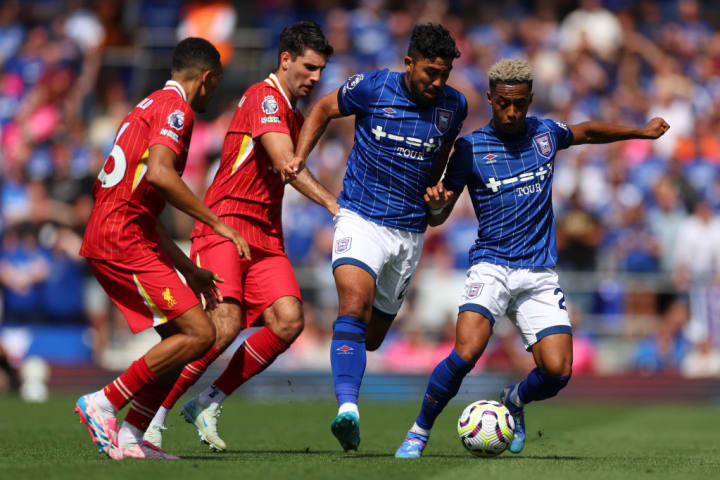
[299, 36]
[510, 71]
[197, 53]
[431, 41]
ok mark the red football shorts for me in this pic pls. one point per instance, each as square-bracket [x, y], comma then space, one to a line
[148, 291]
[256, 284]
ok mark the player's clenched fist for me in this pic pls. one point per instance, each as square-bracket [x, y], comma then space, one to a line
[231, 234]
[656, 128]
[438, 196]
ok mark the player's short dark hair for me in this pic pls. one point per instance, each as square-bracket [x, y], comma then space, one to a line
[197, 53]
[299, 36]
[431, 41]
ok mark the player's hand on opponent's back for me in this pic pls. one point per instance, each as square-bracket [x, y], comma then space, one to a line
[224, 230]
[204, 282]
[438, 196]
[655, 128]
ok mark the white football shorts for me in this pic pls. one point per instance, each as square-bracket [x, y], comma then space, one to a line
[388, 254]
[530, 297]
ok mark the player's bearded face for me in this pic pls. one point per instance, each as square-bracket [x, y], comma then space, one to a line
[304, 72]
[510, 105]
[426, 77]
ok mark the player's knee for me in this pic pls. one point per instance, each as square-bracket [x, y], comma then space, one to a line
[225, 333]
[355, 304]
[203, 338]
[558, 366]
[290, 322]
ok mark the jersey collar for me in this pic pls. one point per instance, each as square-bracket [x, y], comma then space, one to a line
[275, 82]
[173, 85]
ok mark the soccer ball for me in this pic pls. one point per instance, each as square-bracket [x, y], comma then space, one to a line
[486, 428]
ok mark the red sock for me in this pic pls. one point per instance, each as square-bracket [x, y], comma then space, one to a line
[190, 374]
[253, 356]
[135, 378]
[145, 404]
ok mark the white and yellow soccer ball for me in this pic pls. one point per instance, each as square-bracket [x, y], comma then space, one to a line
[486, 428]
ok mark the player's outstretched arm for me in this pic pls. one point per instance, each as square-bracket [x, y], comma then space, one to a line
[280, 149]
[201, 281]
[441, 202]
[162, 176]
[601, 132]
[306, 184]
[324, 110]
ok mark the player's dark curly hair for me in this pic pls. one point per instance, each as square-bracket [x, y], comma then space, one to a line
[194, 52]
[432, 41]
[296, 38]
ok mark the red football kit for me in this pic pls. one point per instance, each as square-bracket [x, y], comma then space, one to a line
[121, 240]
[247, 193]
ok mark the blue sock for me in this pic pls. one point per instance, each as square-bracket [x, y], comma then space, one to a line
[539, 385]
[443, 385]
[348, 357]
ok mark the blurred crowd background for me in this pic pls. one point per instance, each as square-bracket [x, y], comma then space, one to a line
[638, 222]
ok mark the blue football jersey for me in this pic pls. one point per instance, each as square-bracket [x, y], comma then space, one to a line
[510, 185]
[397, 146]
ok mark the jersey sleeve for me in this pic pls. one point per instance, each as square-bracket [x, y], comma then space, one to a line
[561, 132]
[267, 112]
[355, 94]
[459, 167]
[459, 119]
[171, 125]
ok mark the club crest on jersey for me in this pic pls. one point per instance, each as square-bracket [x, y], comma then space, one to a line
[168, 297]
[269, 105]
[542, 144]
[442, 119]
[343, 245]
[354, 80]
[474, 289]
[176, 119]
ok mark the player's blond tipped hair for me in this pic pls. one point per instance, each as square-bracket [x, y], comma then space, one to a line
[510, 71]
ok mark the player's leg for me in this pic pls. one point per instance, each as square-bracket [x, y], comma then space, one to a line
[227, 318]
[146, 401]
[542, 319]
[219, 255]
[472, 334]
[348, 358]
[485, 297]
[140, 296]
[359, 253]
[271, 292]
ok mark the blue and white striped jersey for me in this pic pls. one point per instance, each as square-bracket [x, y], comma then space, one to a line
[397, 145]
[510, 185]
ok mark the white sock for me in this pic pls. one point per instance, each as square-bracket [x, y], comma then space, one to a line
[211, 395]
[160, 417]
[515, 398]
[349, 407]
[129, 434]
[103, 403]
[418, 429]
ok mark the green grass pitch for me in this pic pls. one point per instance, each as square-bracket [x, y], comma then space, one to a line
[292, 440]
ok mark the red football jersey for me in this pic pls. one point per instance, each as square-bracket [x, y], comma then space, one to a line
[122, 224]
[246, 192]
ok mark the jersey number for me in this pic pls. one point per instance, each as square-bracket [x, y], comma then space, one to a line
[119, 164]
[561, 302]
